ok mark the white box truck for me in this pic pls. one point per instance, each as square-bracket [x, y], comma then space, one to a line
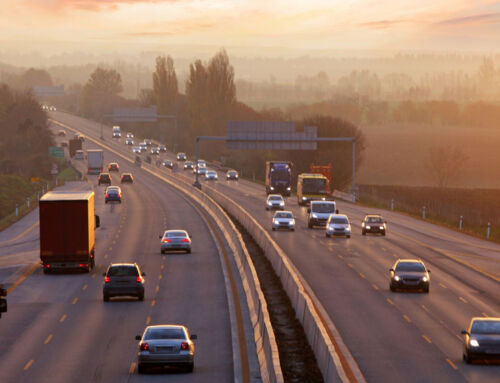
[95, 160]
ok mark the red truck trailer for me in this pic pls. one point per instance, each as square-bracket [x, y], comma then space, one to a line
[67, 230]
[326, 171]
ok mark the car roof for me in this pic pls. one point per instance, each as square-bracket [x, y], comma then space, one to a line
[126, 174]
[339, 216]
[410, 260]
[283, 211]
[275, 195]
[123, 264]
[177, 326]
[113, 163]
[168, 231]
[373, 216]
[104, 174]
[484, 319]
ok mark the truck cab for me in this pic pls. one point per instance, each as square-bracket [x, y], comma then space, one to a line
[319, 212]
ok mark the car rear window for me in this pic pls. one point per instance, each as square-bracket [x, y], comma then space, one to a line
[165, 333]
[123, 271]
[410, 266]
[175, 234]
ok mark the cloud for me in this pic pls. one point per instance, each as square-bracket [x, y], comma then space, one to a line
[485, 18]
[90, 5]
[381, 24]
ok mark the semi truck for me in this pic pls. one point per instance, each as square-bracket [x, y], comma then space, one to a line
[312, 187]
[74, 145]
[95, 160]
[67, 230]
[326, 170]
[279, 177]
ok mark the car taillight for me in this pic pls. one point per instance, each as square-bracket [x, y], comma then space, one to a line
[185, 346]
[144, 347]
[166, 240]
[107, 279]
[138, 279]
[107, 195]
[185, 240]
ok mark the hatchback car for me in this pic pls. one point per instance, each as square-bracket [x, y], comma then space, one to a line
[482, 340]
[175, 240]
[188, 165]
[113, 194]
[165, 345]
[409, 274]
[373, 223]
[130, 135]
[143, 147]
[168, 164]
[113, 167]
[123, 279]
[136, 149]
[162, 148]
[338, 224]
[211, 175]
[181, 156]
[104, 178]
[275, 201]
[283, 220]
[129, 141]
[232, 175]
[127, 178]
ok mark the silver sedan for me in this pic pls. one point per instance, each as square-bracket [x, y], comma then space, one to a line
[211, 175]
[173, 240]
[283, 220]
[165, 345]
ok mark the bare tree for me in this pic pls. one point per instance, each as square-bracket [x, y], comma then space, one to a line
[165, 85]
[446, 164]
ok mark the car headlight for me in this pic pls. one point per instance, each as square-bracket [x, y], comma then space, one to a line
[425, 279]
[368, 227]
[282, 204]
[397, 278]
[292, 222]
[304, 198]
[322, 199]
[269, 204]
[315, 215]
[272, 188]
[347, 228]
[288, 188]
[474, 343]
[382, 228]
[276, 222]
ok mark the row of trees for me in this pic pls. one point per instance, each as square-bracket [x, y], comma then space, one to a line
[24, 135]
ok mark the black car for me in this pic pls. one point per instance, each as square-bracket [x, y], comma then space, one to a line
[168, 164]
[232, 175]
[127, 178]
[409, 274]
[373, 223]
[104, 178]
[188, 165]
[123, 279]
[482, 340]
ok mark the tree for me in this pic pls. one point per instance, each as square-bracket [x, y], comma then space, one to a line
[35, 77]
[446, 164]
[165, 85]
[100, 92]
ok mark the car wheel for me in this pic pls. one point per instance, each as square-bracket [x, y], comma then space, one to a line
[267, 208]
[274, 229]
[140, 297]
[383, 234]
[292, 229]
[105, 298]
[141, 369]
[467, 358]
[190, 368]
[162, 252]
[363, 232]
[188, 251]
[348, 236]
[426, 290]
[391, 287]
[309, 225]
[327, 235]
[46, 271]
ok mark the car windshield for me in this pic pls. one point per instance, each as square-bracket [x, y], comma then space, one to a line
[232, 173]
[171, 234]
[283, 215]
[410, 266]
[323, 207]
[314, 185]
[486, 327]
[275, 198]
[374, 220]
[165, 333]
[123, 271]
[281, 174]
[339, 220]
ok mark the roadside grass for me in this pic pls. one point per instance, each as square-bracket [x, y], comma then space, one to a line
[68, 174]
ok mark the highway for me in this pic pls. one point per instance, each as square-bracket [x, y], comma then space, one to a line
[410, 337]
[58, 329]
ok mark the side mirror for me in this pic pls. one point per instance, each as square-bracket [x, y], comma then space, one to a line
[190, 235]
[428, 271]
[160, 236]
[97, 221]
[336, 211]
[137, 337]
[464, 332]
[391, 269]
[103, 274]
[193, 337]
[308, 209]
[385, 221]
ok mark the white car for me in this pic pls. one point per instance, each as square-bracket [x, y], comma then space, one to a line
[201, 170]
[338, 224]
[211, 175]
[283, 220]
[130, 135]
[275, 202]
[136, 149]
[129, 141]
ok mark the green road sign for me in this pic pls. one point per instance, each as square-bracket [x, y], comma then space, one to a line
[55, 151]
